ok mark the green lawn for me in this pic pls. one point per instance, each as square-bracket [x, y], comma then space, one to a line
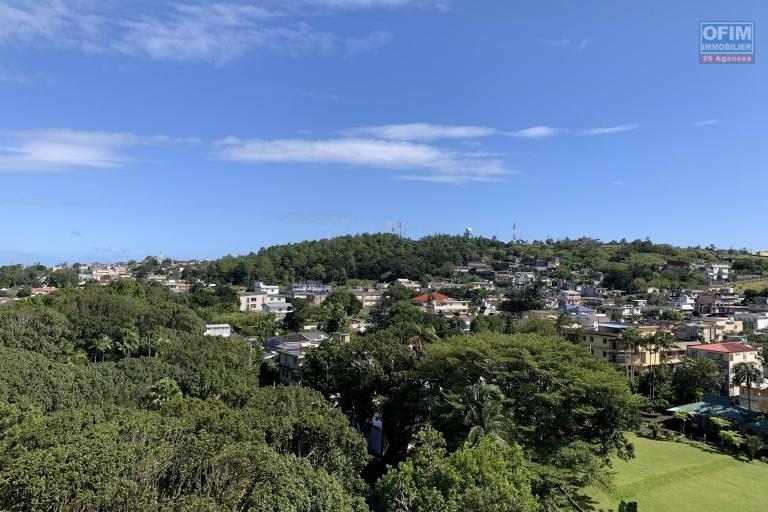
[677, 477]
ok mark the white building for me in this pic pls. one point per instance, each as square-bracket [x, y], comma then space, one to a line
[269, 289]
[254, 301]
[223, 330]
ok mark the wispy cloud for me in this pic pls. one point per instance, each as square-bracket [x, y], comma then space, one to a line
[554, 42]
[64, 149]
[706, 122]
[216, 32]
[432, 162]
[15, 76]
[431, 132]
[541, 132]
[584, 43]
[421, 131]
[565, 42]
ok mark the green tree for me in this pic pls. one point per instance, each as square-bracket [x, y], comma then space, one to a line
[485, 414]
[754, 444]
[162, 392]
[683, 417]
[695, 377]
[483, 477]
[746, 373]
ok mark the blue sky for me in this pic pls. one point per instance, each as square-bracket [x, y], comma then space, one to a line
[132, 127]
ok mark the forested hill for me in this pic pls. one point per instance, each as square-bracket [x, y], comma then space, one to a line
[383, 257]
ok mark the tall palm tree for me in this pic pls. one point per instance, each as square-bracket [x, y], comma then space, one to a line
[745, 373]
[631, 340]
[485, 413]
[663, 342]
[421, 335]
[103, 345]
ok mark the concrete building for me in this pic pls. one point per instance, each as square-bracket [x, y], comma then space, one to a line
[726, 356]
[753, 321]
[604, 342]
[223, 330]
[368, 297]
[254, 301]
[310, 287]
[441, 304]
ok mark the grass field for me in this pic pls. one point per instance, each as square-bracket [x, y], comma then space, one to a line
[755, 285]
[677, 477]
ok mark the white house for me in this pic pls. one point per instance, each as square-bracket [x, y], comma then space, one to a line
[223, 330]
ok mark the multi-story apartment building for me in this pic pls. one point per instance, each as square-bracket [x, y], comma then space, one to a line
[726, 356]
[605, 343]
[255, 301]
[368, 297]
[441, 304]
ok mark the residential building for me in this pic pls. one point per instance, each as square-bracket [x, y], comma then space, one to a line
[368, 297]
[407, 283]
[758, 396]
[441, 304]
[279, 309]
[310, 287]
[708, 330]
[714, 406]
[223, 330]
[753, 321]
[569, 298]
[290, 350]
[605, 343]
[254, 301]
[269, 289]
[620, 310]
[719, 302]
[717, 272]
[726, 355]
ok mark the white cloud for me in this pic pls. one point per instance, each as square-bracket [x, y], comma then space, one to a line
[706, 122]
[536, 132]
[541, 132]
[434, 163]
[372, 4]
[63, 149]
[608, 130]
[421, 131]
[185, 31]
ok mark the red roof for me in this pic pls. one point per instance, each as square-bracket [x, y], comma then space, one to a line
[731, 346]
[424, 297]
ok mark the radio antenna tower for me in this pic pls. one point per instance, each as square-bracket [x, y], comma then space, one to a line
[514, 232]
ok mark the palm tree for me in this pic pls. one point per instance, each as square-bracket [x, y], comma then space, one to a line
[421, 335]
[684, 417]
[130, 342]
[754, 444]
[663, 341]
[162, 392]
[103, 345]
[720, 424]
[631, 339]
[485, 414]
[731, 437]
[746, 373]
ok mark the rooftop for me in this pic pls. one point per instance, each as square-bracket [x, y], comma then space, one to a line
[729, 347]
[424, 297]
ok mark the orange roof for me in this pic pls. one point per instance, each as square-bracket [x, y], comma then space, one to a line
[424, 297]
[731, 346]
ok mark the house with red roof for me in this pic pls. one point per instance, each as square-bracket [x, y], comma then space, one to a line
[726, 355]
[440, 303]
